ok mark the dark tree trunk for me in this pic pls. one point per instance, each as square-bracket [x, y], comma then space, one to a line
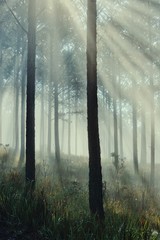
[95, 174]
[30, 112]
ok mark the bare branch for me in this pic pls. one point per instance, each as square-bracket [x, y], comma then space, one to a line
[15, 17]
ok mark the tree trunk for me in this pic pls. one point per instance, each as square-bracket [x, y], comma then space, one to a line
[109, 125]
[120, 123]
[16, 97]
[69, 122]
[63, 121]
[23, 98]
[76, 124]
[56, 122]
[50, 95]
[116, 163]
[143, 138]
[152, 137]
[1, 92]
[95, 173]
[152, 109]
[1, 97]
[134, 117]
[30, 112]
[42, 123]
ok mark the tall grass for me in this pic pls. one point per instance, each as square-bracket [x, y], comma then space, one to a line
[52, 212]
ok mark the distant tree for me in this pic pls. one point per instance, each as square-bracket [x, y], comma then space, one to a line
[134, 121]
[23, 98]
[143, 137]
[152, 102]
[115, 120]
[30, 112]
[95, 174]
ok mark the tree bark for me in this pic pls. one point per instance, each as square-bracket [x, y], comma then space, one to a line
[30, 112]
[95, 173]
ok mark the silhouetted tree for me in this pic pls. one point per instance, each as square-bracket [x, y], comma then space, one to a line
[95, 174]
[30, 121]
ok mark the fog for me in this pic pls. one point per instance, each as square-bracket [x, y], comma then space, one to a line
[128, 48]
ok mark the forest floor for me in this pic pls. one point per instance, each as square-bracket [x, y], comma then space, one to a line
[55, 212]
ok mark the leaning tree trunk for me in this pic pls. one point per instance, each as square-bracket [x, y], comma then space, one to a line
[30, 112]
[95, 174]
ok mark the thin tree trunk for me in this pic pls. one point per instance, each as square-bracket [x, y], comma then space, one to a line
[50, 95]
[109, 125]
[1, 97]
[23, 99]
[56, 123]
[143, 138]
[16, 97]
[63, 122]
[42, 123]
[69, 122]
[152, 135]
[152, 110]
[120, 123]
[76, 125]
[95, 173]
[1, 92]
[134, 118]
[115, 133]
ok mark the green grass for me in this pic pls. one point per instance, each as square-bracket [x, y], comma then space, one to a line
[53, 212]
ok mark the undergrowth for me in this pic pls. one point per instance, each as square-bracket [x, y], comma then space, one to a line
[55, 213]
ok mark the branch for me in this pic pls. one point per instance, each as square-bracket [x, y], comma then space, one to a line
[15, 17]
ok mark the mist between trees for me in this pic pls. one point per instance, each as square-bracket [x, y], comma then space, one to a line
[80, 80]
